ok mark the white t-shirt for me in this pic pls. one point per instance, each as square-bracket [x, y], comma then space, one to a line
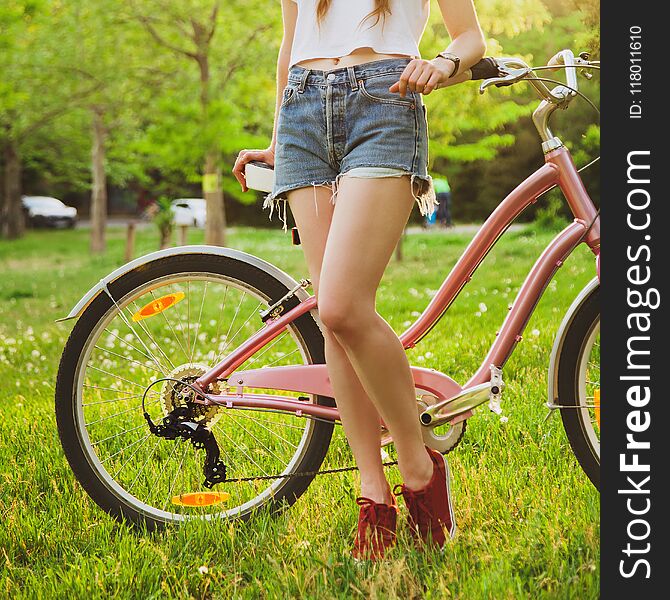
[342, 31]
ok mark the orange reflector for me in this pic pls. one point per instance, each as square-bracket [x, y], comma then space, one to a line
[200, 498]
[596, 404]
[157, 306]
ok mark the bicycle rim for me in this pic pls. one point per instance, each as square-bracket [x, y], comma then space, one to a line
[122, 356]
[588, 386]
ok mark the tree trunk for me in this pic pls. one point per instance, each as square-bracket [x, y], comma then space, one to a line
[99, 184]
[215, 223]
[165, 237]
[12, 220]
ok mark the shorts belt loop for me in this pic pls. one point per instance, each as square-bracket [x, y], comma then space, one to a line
[303, 81]
[352, 78]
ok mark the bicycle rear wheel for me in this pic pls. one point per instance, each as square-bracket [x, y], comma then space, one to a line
[175, 317]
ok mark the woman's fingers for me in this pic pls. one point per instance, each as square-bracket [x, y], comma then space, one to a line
[243, 158]
[433, 83]
[419, 76]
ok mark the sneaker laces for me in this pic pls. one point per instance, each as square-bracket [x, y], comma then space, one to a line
[418, 506]
[380, 535]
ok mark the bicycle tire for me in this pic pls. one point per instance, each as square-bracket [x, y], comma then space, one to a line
[66, 397]
[576, 422]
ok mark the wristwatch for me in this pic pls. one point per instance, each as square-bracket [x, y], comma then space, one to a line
[452, 57]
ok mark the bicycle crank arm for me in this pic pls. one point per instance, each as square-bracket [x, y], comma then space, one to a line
[447, 410]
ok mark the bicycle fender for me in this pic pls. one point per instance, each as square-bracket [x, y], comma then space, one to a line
[552, 379]
[276, 272]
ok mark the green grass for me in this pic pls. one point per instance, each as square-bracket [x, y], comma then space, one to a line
[528, 516]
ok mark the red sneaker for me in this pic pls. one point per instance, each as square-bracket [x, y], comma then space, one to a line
[431, 513]
[376, 528]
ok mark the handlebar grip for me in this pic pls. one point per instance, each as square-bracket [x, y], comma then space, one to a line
[556, 59]
[486, 68]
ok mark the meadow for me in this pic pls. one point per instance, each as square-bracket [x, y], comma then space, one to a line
[528, 517]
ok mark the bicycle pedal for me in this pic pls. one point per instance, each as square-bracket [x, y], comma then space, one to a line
[497, 387]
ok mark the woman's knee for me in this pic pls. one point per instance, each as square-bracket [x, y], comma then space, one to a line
[341, 315]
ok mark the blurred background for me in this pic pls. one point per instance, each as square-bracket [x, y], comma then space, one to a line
[121, 109]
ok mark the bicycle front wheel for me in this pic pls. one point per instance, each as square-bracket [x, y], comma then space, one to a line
[579, 386]
[174, 318]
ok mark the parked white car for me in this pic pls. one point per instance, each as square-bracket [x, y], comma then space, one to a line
[44, 211]
[190, 211]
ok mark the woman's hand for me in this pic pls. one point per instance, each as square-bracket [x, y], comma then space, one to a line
[424, 76]
[245, 156]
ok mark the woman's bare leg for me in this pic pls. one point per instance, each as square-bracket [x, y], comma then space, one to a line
[368, 220]
[360, 418]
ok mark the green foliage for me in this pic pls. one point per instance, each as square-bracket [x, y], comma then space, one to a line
[163, 217]
[551, 215]
[83, 53]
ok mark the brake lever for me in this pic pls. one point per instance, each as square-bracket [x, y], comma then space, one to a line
[511, 77]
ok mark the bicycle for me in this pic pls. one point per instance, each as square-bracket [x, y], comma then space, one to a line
[152, 405]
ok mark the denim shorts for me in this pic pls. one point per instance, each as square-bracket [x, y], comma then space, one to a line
[346, 122]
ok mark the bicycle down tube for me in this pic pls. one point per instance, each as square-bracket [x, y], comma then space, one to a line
[558, 170]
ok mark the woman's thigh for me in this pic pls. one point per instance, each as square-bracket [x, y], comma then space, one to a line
[312, 212]
[369, 218]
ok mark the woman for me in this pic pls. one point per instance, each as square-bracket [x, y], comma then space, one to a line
[350, 151]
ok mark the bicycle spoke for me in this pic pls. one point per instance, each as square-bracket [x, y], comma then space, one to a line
[151, 392]
[268, 429]
[241, 450]
[146, 437]
[122, 314]
[144, 328]
[177, 472]
[137, 362]
[218, 321]
[266, 348]
[253, 313]
[259, 441]
[237, 310]
[124, 432]
[127, 343]
[144, 466]
[290, 426]
[123, 412]
[285, 356]
[118, 392]
[169, 324]
[117, 377]
[176, 445]
[197, 324]
[188, 316]
[123, 466]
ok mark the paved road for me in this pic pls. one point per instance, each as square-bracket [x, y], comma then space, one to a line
[115, 222]
[461, 228]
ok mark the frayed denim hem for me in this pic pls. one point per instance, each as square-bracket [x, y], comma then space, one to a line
[424, 195]
[425, 192]
[273, 201]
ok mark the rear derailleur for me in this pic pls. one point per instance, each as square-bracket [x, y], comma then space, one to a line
[179, 423]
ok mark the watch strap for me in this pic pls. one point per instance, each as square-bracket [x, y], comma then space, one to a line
[453, 58]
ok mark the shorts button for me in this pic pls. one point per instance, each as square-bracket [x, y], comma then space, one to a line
[331, 77]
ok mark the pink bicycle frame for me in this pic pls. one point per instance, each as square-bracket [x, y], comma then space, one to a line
[558, 170]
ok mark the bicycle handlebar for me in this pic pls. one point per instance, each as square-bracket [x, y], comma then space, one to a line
[506, 71]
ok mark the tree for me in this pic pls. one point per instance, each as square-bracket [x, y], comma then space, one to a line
[29, 62]
[188, 30]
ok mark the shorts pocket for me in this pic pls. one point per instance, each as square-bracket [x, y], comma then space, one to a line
[287, 95]
[376, 89]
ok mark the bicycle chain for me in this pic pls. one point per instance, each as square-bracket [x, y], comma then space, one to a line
[328, 471]
[302, 474]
